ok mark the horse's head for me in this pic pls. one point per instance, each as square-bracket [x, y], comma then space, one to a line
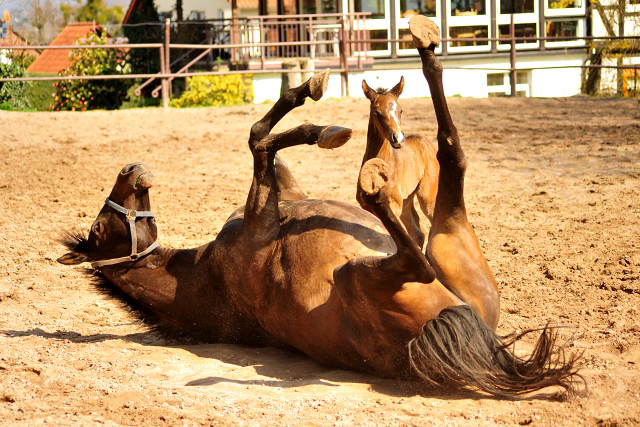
[386, 111]
[124, 230]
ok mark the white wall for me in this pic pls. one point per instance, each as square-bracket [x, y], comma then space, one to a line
[211, 8]
[457, 82]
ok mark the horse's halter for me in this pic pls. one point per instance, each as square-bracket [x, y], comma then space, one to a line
[131, 216]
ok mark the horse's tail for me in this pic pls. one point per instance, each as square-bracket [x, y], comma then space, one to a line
[458, 349]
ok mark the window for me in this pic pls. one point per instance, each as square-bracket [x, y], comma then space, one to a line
[516, 6]
[406, 34]
[197, 15]
[318, 6]
[378, 34]
[376, 7]
[522, 30]
[471, 32]
[409, 8]
[522, 77]
[562, 28]
[564, 4]
[495, 79]
[499, 84]
[468, 7]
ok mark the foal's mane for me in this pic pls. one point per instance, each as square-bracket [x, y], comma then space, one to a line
[382, 91]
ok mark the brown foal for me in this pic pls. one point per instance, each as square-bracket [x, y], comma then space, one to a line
[413, 168]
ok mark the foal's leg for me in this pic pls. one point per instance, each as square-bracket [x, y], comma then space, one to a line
[453, 249]
[389, 298]
[411, 220]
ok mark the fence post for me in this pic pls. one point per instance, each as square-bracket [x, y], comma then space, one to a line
[263, 49]
[344, 64]
[512, 70]
[164, 64]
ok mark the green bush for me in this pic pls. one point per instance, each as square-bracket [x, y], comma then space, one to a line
[13, 94]
[206, 91]
[92, 94]
[39, 94]
[139, 101]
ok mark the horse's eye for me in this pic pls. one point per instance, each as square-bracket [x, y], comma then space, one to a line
[378, 113]
[97, 228]
[401, 111]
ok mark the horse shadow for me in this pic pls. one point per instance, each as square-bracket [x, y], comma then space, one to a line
[283, 368]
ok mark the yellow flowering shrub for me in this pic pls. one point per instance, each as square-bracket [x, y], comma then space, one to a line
[232, 89]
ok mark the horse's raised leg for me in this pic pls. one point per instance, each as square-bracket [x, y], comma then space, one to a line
[262, 217]
[313, 88]
[453, 249]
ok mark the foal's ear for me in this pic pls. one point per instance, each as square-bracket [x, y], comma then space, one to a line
[368, 92]
[397, 89]
[72, 258]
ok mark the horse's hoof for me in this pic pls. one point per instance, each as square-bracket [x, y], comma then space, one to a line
[425, 32]
[318, 84]
[334, 136]
[373, 176]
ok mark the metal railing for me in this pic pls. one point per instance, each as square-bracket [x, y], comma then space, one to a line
[348, 46]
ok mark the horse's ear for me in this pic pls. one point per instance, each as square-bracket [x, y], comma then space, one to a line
[397, 89]
[72, 258]
[368, 92]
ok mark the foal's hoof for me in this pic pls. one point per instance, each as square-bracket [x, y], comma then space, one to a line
[425, 32]
[373, 176]
[318, 84]
[334, 137]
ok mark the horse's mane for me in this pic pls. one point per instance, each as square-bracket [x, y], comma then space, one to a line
[382, 91]
[76, 240]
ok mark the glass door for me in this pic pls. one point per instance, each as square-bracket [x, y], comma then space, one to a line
[377, 26]
[468, 20]
[405, 10]
[525, 17]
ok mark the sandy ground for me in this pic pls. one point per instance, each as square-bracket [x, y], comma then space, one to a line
[552, 190]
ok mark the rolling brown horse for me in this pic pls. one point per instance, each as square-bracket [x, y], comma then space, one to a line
[413, 168]
[348, 288]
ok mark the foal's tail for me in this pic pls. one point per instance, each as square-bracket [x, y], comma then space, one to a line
[458, 349]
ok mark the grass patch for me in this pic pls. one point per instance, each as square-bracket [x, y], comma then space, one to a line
[39, 94]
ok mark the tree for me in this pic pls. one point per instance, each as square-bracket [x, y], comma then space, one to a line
[92, 11]
[614, 15]
[40, 14]
[13, 94]
[144, 61]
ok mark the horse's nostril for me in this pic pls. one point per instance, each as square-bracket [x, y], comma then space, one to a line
[130, 168]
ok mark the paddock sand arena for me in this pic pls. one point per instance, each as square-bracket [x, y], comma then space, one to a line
[552, 190]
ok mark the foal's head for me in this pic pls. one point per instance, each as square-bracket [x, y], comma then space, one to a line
[111, 236]
[386, 111]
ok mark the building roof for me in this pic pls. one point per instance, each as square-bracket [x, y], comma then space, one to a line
[135, 4]
[54, 60]
[15, 39]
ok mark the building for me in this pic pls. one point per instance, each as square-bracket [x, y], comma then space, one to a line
[474, 67]
[14, 39]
